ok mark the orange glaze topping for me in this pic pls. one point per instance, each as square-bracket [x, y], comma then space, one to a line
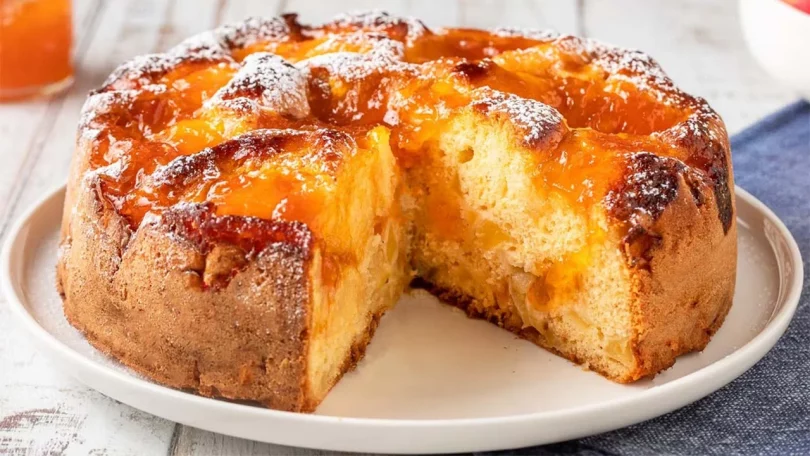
[587, 162]
[351, 75]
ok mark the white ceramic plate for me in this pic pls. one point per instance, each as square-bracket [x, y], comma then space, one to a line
[433, 380]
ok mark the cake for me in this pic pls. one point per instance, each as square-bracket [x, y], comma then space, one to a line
[242, 209]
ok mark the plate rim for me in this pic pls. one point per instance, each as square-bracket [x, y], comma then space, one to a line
[692, 386]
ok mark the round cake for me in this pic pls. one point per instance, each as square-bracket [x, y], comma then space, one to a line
[243, 209]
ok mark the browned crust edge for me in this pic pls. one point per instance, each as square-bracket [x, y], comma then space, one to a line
[684, 277]
[139, 298]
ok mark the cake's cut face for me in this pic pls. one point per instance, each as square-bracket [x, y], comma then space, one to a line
[245, 207]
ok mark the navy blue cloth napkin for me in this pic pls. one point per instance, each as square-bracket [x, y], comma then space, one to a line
[767, 409]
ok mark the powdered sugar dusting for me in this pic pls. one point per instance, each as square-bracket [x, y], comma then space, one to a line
[703, 125]
[139, 69]
[144, 69]
[530, 33]
[271, 81]
[410, 28]
[253, 30]
[346, 85]
[98, 104]
[206, 46]
[211, 46]
[639, 69]
[650, 185]
[541, 124]
[386, 55]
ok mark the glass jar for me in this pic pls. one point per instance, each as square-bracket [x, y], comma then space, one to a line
[36, 38]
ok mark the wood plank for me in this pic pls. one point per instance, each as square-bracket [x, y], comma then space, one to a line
[186, 18]
[237, 10]
[23, 123]
[316, 11]
[700, 45]
[141, 33]
[41, 410]
[560, 15]
[195, 442]
[51, 414]
[121, 33]
[433, 14]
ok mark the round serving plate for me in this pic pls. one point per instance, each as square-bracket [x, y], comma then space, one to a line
[432, 380]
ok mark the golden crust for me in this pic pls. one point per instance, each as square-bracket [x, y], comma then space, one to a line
[155, 299]
[695, 252]
[202, 297]
[140, 298]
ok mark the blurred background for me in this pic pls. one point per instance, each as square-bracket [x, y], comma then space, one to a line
[62, 49]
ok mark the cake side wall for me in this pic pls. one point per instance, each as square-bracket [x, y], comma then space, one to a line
[142, 301]
[685, 292]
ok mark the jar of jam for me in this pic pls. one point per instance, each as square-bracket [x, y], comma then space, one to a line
[36, 38]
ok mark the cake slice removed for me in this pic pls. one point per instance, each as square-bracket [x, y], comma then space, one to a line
[599, 255]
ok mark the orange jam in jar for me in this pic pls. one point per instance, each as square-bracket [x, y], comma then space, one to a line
[35, 47]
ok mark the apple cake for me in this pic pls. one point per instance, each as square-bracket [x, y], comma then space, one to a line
[242, 209]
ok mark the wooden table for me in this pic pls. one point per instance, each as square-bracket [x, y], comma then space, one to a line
[44, 412]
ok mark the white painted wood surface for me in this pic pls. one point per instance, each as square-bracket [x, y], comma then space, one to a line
[43, 412]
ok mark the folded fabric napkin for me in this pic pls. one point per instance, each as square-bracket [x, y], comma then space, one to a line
[767, 409]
